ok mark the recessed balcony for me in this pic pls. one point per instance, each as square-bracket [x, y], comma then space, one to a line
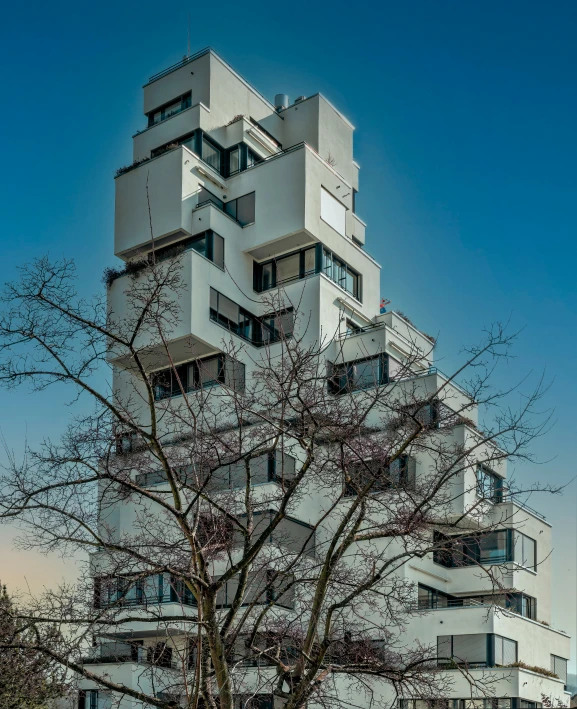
[113, 653]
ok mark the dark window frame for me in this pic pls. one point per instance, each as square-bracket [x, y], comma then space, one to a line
[165, 382]
[179, 247]
[333, 264]
[339, 380]
[258, 268]
[468, 550]
[247, 322]
[488, 481]
[185, 102]
[384, 476]
[491, 640]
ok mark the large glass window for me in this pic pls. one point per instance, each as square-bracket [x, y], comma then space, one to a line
[470, 650]
[285, 269]
[288, 268]
[170, 109]
[201, 373]
[360, 374]
[211, 154]
[489, 484]
[342, 274]
[234, 161]
[494, 547]
[262, 330]
[486, 703]
[476, 650]
[399, 474]
[209, 244]
[522, 604]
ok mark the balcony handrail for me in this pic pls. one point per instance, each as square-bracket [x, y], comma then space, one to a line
[220, 209]
[183, 62]
[454, 603]
[510, 498]
[140, 659]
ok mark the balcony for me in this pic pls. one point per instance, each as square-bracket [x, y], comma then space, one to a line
[114, 653]
[509, 682]
[156, 199]
[535, 643]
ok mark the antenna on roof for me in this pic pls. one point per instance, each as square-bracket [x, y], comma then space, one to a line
[188, 37]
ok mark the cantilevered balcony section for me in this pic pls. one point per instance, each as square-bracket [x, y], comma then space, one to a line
[121, 652]
[297, 200]
[156, 591]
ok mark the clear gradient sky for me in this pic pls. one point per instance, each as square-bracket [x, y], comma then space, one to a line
[466, 135]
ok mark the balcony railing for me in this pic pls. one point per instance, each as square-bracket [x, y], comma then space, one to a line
[178, 65]
[511, 497]
[137, 654]
[451, 603]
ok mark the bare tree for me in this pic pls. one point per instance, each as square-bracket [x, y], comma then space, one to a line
[29, 679]
[158, 478]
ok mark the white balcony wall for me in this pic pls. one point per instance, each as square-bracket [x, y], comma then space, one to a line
[316, 122]
[194, 77]
[170, 183]
[356, 227]
[197, 116]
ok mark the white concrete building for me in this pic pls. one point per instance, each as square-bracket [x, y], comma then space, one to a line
[269, 192]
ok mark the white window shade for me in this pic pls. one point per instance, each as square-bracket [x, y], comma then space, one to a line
[333, 212]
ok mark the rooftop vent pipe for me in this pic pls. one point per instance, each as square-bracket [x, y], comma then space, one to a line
[298, 99]
[281, 101]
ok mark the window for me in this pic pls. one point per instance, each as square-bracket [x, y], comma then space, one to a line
[94, 699]
[429, 598]
[494, 547]
[476, 650]
[138, 591]
[525, 553]
[470, 650]
[486, 703]
[259, 331]
[209, 244]
[342, 274]
[505, 651]
[285, 269]
[201, 373]
[188, 140]
[242, 209]
[489, 485]
[399, 474]
[559, 667]
[170, 109]
[360, 374]
[234, 161]
[252, 158]
[211, 154]
[522, 604]
[333, 212]
[270, 467]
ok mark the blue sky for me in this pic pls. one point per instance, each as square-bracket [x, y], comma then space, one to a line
[465, 115]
